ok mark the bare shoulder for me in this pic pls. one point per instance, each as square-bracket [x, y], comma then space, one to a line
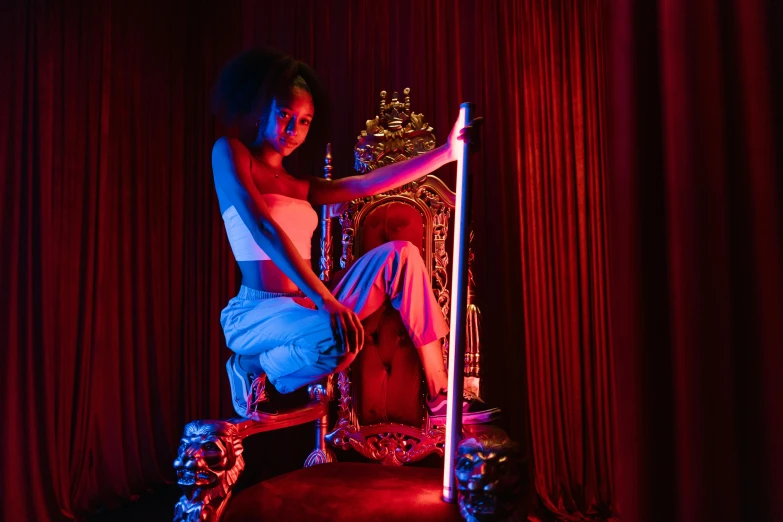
[230, 165]
[228, 152]
[318, 190]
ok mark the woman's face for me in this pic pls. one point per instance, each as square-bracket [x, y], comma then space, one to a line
[289, 122]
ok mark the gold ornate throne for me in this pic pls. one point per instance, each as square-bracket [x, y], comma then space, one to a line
[381, 411]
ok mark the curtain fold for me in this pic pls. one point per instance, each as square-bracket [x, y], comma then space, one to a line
[564, 262]
[696, 232]
[112, 273]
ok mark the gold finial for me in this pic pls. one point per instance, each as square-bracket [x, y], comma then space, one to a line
[328, 162]
[407, 92]
[383, 103]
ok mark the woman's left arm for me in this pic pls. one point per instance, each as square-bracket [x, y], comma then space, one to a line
[324, 192]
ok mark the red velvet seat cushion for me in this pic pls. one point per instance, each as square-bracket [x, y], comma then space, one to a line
[345, 491]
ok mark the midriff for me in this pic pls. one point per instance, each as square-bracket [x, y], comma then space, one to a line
[266, 276]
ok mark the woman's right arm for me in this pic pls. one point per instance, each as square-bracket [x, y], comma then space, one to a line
[234, 184]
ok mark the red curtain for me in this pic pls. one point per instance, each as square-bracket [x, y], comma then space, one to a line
[697, 288]
[564, 261]
[115, 264]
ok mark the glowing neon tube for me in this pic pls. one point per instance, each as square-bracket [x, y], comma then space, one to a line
[459, 303]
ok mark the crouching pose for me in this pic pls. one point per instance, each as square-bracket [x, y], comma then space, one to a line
[285, 326]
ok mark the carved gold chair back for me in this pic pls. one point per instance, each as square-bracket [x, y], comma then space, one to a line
[381, 410]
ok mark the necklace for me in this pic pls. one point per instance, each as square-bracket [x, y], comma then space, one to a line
[276, 172]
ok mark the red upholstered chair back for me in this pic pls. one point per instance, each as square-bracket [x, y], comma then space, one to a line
[392, 221]
[387, 374]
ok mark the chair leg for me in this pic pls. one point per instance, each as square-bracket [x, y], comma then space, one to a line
[321, 454]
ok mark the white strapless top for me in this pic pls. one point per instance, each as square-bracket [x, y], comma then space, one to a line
[296, 216]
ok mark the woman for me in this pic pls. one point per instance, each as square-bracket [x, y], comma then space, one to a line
[285, 325]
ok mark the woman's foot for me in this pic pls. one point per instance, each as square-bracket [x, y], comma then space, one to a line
[474, 410]
[248, 391]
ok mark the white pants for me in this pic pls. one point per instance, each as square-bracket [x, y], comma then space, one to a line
[296, 344]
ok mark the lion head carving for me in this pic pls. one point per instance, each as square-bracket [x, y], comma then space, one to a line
[489, 478]
[208, 463]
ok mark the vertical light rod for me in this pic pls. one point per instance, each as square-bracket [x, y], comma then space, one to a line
[459, 303]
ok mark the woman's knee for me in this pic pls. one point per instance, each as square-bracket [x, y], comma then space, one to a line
[402, 248]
